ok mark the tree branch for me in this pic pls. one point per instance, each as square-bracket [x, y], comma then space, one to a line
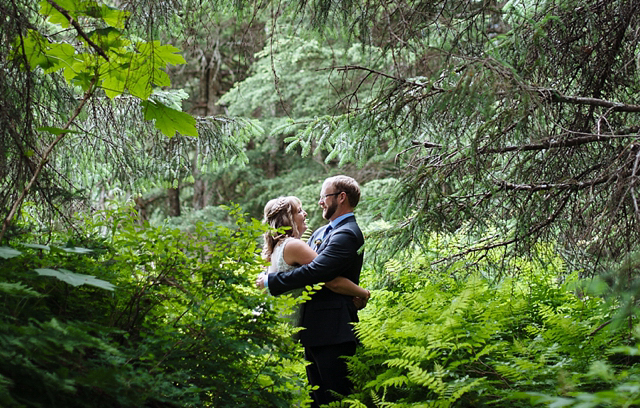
[533, 230]
[571, 185]
[427, 145]
[44, 159]
[555, 143]
[382, 74]
[555, 96]
[78, 29]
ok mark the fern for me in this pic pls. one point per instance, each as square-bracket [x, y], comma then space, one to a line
[473, 342]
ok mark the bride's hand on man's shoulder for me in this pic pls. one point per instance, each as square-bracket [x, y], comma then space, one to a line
[361, 303]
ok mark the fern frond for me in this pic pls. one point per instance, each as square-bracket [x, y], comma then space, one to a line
[395, 381]
[400, 363]
[418, 353]
[458, 388]
[431, 380]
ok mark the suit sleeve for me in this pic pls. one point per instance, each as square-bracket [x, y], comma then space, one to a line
[332, 262]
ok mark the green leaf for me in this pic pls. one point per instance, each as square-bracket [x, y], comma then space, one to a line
[59, 56]
[169, 121]
[140, 86]
[167, 54]
[37, 246]
[114, 17]
[77, 250]
[6, 252]
[107, 38]
[75, 279]
[54, 15]
[113, 82]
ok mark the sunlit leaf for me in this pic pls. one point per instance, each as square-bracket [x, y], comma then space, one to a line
[6, 252]
[169, 121]
[168, 54]
[55, 17]
[75, 279]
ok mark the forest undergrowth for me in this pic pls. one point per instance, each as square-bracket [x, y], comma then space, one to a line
[130, 315]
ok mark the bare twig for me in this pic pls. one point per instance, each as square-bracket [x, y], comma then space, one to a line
[602, 326]
[382, 74]
[633, 192]
[427, 145]
[533, 230]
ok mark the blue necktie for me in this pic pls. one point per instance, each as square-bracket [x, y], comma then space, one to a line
[327, 230]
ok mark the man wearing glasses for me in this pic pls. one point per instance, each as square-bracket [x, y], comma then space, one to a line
[328, 316]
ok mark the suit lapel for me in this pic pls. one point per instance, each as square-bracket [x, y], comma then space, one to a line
[316, 239]
[323, 242]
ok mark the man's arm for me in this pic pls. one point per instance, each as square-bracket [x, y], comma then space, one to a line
[333, 260]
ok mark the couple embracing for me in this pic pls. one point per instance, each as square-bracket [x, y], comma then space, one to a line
[332, 255]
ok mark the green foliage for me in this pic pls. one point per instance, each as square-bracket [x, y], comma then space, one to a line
[303, 68]
[473, 342]
[168, 120]
[183, 325]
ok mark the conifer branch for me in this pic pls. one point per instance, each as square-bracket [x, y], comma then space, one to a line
[346, 68]
[532, 231]
[555, 96]
[555, 143]
[79, 29]
[569, 185]
[45, 158]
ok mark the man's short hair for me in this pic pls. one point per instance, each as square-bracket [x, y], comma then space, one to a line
[349, 186]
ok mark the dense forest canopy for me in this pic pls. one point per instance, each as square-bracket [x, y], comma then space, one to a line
[496, 146]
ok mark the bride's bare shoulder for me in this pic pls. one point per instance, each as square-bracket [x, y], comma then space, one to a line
[298, 252]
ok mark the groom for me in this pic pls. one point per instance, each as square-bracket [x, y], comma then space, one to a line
[327, 320]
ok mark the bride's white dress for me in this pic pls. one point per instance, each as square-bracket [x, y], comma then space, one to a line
[278, 264]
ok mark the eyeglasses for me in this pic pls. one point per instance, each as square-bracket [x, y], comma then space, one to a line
[323, 197]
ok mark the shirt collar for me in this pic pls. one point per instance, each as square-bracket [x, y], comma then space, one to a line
[335, 222]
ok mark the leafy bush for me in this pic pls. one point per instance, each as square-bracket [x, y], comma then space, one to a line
[184, 325]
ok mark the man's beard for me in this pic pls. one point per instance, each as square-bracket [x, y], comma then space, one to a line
[329, 211]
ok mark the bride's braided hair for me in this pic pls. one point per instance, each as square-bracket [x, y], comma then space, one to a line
[279, 213]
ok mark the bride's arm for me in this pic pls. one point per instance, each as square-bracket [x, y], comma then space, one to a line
[345, 286]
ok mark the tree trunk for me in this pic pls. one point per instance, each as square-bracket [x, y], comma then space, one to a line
[199, 185]
[173, 200]
[210, 90]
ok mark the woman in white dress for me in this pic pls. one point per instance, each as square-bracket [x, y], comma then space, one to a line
[286, 251]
